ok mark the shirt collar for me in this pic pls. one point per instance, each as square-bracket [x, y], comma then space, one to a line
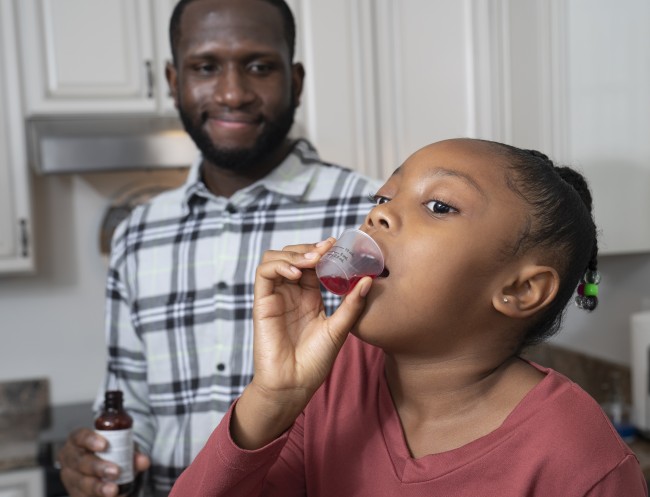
[292, 178]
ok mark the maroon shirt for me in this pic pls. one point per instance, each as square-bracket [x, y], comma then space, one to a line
[349, 442]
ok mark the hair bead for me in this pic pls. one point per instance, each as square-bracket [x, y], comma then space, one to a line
[587, 298]
[592, 276]
[591, 290]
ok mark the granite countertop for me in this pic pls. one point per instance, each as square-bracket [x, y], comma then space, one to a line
[23, 413]
[32, 438]
[31, 430]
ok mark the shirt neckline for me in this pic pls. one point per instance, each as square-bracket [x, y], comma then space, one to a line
[433, 466]
[291, 178]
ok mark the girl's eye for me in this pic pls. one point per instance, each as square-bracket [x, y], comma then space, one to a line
[377, 199]
[438, 207]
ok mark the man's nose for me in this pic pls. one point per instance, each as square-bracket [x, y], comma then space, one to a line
[233, 89]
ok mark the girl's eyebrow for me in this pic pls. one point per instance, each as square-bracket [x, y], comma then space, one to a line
[462, 176]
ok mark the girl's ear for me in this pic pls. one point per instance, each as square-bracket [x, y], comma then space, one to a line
[531, 291]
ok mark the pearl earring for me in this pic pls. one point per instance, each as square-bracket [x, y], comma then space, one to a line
[505, 300]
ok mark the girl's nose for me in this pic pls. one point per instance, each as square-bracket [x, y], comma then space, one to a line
[381, 217]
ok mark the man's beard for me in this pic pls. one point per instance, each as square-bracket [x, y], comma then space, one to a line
[241, 160]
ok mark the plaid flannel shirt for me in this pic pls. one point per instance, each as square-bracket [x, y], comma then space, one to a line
[180, 295]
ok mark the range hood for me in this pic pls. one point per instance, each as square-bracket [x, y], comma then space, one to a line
[76, 144]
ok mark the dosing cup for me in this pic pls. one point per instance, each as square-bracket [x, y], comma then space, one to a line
[354, 255]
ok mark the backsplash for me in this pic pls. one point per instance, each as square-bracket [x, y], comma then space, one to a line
[24, 412]
[594, 375]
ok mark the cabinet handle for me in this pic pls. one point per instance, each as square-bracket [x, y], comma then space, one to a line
[149, 72]
[24, 239]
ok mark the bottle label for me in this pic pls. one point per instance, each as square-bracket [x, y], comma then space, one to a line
[119, 451]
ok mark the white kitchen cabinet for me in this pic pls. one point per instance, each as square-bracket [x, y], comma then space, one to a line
[608, 87]
[578, 75]
[385, 77]
[162, 11]
[22, 483]
[16, 249]
[571, 79]
[94, 56]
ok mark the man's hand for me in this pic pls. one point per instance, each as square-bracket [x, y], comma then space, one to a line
[86, 475]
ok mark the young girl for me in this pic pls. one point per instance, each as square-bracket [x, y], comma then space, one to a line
[484, 245]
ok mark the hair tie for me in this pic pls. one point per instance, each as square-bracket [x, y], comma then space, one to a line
[587, 298]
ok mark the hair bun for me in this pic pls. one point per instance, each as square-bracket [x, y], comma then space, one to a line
[578, 182]
[539, 155]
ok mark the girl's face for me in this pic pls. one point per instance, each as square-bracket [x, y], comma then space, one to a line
[447, 224]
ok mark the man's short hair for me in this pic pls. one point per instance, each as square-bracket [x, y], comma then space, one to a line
[287, 19]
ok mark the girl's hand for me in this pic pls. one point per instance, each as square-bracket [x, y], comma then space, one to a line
[295, 344]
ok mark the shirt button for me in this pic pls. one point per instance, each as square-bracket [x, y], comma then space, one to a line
[221, 366]
[231, 209]
[222, 285]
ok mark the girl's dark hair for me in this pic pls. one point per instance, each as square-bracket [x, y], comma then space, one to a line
[561, 223]
[287, 19]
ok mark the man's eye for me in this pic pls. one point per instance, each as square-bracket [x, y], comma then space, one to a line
[259, 68]
[205, 68]
[377, 199]
[438, 207]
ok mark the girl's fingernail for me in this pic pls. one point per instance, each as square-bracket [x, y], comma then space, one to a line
[325, 242]
[311, 255]
[294, 270]
[366, 287]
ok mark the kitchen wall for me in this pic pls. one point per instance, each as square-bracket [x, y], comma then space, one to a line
[52, 322]
[623, 291]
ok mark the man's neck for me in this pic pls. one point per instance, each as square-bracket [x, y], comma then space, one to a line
[225, 182]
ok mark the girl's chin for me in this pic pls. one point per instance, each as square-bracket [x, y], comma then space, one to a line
[365, 332]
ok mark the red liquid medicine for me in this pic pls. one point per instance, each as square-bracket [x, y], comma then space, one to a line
[354, 256]
[339, 285]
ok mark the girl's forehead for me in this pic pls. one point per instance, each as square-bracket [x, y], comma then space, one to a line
[460, 151]
[472, 161]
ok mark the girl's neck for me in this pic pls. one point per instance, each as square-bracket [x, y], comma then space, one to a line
[446, 404]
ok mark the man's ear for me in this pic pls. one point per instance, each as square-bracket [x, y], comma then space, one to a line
[533, 288]
[172, 81]
[297, 80]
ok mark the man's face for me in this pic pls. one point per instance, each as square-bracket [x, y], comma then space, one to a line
[234, 85]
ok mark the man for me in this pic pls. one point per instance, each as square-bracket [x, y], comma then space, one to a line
[180, 285]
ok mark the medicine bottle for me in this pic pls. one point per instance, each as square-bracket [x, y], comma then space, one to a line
[115, 425]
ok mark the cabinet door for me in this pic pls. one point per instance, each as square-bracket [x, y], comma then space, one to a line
[162, 12]
[24, 483]
[384, 77]
[579, 79]
[15, 212]
[87, 56]
[608, 50]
